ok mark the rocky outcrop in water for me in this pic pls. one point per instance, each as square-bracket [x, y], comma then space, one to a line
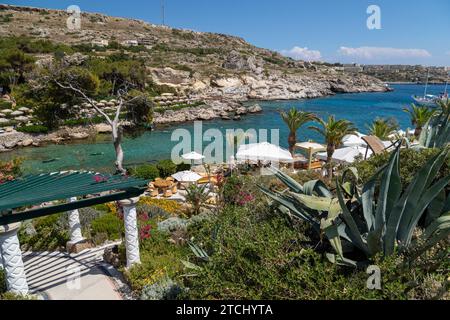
[209, 111]
[12, 139]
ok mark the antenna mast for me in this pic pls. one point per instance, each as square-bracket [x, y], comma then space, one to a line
[163, 13]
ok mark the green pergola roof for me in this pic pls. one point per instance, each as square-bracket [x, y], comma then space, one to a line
[37, 189]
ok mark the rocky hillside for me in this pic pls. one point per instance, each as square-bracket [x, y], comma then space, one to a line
[205, 66]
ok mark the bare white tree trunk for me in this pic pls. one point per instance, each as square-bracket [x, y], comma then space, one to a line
[117, 140]
[117, 130]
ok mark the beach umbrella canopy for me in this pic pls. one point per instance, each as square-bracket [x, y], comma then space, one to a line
[351, 140]
[345, 155]
[186, 176]
[263, 151]
[314, 146]
[192, 156]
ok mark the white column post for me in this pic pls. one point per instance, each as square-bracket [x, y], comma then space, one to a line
[74, 225]
[131, 231]
[16, 280]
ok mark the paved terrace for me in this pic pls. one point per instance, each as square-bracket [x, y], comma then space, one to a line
[54, 275]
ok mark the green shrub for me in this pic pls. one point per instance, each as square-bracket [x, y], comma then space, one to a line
[45, 233]
[183, 167]
[411, 161]
[166, 168]
[109, 225]
[159, 259]
[164, 289]
[236, 190]
[2, 281]
[13, 296]
[33, 129]
[146, 171]
[261, 255]
[5, 105]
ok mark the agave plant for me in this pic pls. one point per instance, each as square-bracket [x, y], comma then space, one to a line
[436, 132]
[197, 196]
[358, 221]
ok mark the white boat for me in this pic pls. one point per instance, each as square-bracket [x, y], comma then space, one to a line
[427, 99]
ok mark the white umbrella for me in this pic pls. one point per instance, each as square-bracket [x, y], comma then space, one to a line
[186, 176]
[263, 151]
[345, 155]
[193, 156]
[351, 140]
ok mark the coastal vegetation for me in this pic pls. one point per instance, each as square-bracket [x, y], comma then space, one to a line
[307, 234]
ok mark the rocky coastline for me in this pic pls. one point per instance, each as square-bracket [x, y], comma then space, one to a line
[12, 139]
[222, 98]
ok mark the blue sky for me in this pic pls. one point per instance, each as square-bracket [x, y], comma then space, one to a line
[412, 32]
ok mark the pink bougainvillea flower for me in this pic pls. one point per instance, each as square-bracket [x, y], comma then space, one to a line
[144, 232]
[144, 216]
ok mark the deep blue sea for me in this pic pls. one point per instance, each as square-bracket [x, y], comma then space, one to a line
[360, 108]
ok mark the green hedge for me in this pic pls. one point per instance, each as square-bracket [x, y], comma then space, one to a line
[109, 225]
[166, 168]
[146, 171]
[411, 161]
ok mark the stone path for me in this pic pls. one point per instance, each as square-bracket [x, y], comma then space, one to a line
[63, 276]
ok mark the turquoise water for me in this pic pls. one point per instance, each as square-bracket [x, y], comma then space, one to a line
[359, 108]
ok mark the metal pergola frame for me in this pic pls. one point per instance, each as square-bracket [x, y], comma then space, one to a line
[78, 184]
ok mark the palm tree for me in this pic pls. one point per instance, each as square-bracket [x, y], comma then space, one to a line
[295, 119]
[333, 131]
[419, 117]
[382, 128]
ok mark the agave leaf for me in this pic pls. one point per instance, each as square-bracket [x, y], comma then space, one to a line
[354, 233]
[351, 170]
[344, 233]
[288, 181]
[198, 252]
[330, 229]
[347, 187]
[317, 186]
[441, 222]
[390, 190]
[407, 205]
[317, 203]
[425, 200]
[336, 259]
[435, 208]
[374, 242]
[436, 231]
[367, 199]
[190, 265]
[289, 204]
